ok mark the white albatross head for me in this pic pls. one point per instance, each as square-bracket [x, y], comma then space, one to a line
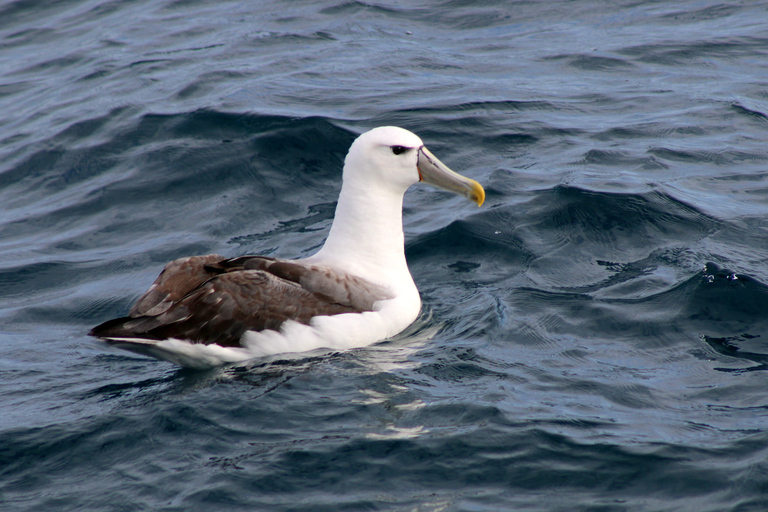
[394, 159]
[366, 238]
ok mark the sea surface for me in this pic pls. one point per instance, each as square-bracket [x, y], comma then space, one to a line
[594, 338]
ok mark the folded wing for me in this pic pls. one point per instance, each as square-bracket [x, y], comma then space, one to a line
[210, 299]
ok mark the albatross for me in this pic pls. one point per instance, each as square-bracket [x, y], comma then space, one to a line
[206, 311]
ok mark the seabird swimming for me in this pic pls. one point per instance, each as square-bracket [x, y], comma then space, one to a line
[204, 311]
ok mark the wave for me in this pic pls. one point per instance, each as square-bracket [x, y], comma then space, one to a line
[632, 267]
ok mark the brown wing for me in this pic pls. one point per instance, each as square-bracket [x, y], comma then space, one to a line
[322, 281]
[178, 278]
[223, 308]
[207, 299]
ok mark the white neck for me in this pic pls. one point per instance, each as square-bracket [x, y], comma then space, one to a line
[366, 237]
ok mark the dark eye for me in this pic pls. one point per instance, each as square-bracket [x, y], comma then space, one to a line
[399, 150]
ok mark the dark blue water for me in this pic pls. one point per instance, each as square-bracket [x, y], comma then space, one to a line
[593, 339]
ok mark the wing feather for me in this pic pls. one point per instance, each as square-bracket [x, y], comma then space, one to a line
[178, 278]
[209, 299]
[334, 286]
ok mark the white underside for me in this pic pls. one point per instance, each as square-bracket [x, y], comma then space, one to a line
[338, 332]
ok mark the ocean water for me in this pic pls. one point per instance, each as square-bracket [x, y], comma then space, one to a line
[594, 338]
